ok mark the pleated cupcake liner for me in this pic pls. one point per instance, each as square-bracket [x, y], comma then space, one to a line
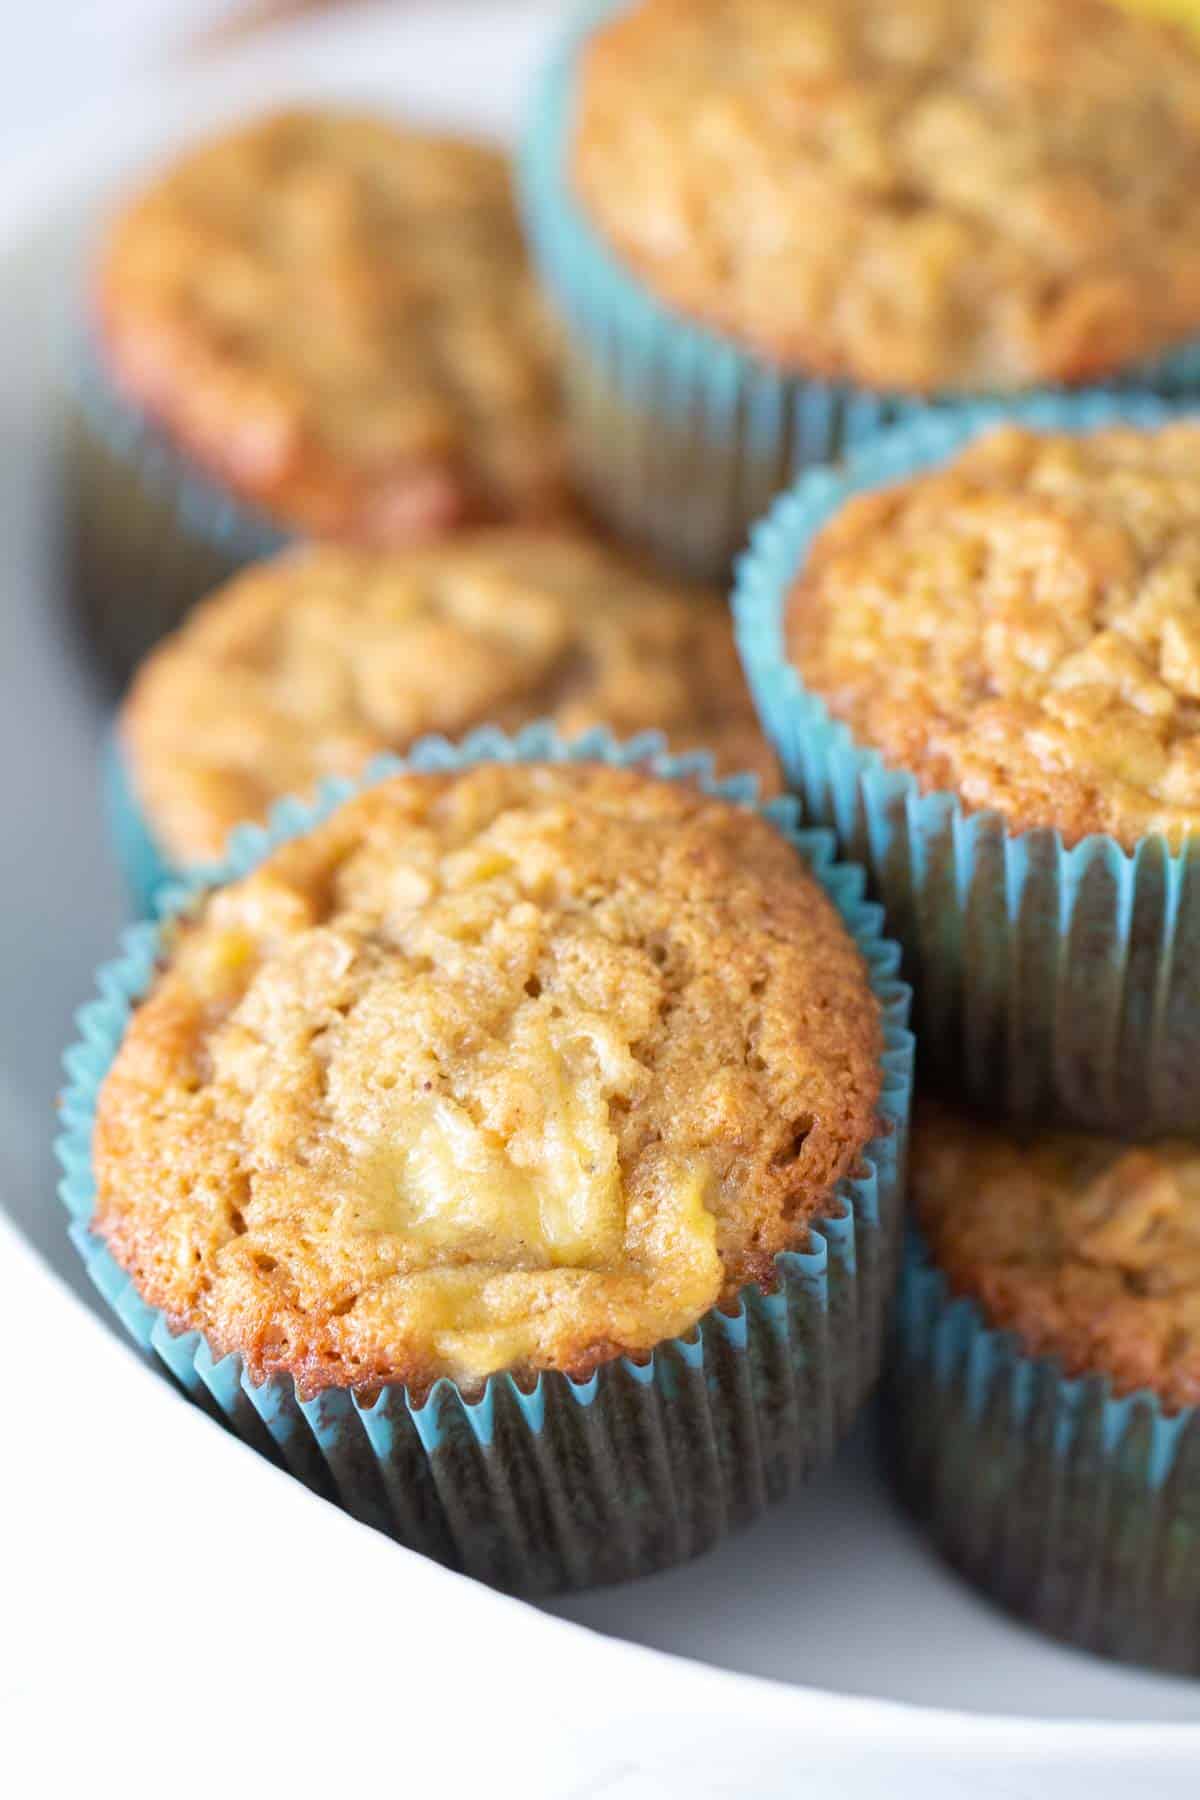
[147, 532]
[1076, 1510]
[1050, 981]
[562, 1484]
[682, 438]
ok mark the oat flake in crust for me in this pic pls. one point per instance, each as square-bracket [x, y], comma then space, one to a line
[1087, 1247]
[908, 194]
[335, 315]
[311, 664]
[524, 1067]
[1022, 626]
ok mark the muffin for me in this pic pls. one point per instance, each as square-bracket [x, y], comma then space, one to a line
[986, 675]
[318, 324]
[771, 225]
[522, 1141]
[1045, 1421]
[312, 664]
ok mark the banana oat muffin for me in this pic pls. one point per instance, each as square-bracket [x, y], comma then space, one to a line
[1045, 1376]
[311, 664]
[333, 315]
[909, 195]
[522, 1067]
[1087, 1247]
[1021, 625]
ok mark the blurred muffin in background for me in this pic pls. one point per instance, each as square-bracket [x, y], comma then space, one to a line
[795, 220]
[321, 323]
[311, 663]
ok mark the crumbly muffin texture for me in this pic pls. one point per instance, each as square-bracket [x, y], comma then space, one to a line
[313, 663]
[336, 316]
[909, 194]
[520, 1068]
[1022, 626]
[1088, 1248]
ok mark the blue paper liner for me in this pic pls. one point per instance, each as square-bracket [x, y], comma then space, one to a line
[1054, 982]
[681, 437]
[1076, 1510]
[148, 532]
[570, 1483]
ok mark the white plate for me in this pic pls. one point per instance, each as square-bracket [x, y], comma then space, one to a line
[834, 1598]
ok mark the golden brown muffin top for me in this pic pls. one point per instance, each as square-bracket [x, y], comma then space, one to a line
[1022, 626]
[311, 664]
[908, 194]
[1087, 1247]
[520, 1068]
[335, 315]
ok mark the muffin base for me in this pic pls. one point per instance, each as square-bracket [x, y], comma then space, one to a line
[682, 459]
[1052, 983]
[146, 533]
[145, 869]
[566, 1484]
[679, 438]
[1077, 1512]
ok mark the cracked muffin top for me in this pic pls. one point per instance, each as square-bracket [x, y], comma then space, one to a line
[1087, 1248]
[912, 195]
[335, 316]
[524, 1067]
[312, 663]
[1022, 626]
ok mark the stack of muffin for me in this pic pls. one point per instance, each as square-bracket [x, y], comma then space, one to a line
[515, 1145]
[510, 1140]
